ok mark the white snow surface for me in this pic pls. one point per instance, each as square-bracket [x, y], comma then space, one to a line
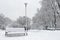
[34, 35]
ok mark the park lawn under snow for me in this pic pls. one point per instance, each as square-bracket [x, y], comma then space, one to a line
[34, 35]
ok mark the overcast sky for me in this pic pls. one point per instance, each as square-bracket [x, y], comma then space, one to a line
[15, 8]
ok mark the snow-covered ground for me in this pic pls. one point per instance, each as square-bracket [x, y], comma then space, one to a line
[34, 35]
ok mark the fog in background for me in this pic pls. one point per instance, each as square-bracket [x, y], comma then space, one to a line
[15, 8]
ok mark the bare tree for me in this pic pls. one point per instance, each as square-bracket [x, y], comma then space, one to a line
[47, 14]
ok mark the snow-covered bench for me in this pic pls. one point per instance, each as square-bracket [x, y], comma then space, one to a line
[15, 31]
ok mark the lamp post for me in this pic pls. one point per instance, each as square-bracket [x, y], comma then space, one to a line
[26, 14]
[25, 9]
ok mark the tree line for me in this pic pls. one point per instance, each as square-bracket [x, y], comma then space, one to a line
[20, 22]
[43, 18]
[48, 15]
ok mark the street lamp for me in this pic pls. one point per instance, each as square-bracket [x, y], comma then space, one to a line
[26, 13]
[25, 9]
[26, 18]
